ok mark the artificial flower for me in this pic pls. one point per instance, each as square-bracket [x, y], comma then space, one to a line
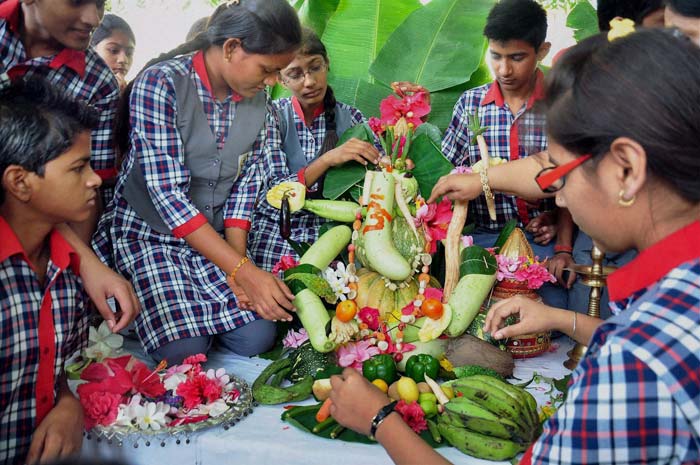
[370, 317]
[412, 415]
[285, 263]
[294, 339]
[353, 354]
[434, 219]
[102, 342]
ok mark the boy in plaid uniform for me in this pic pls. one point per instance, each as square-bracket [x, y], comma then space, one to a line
[46, 180]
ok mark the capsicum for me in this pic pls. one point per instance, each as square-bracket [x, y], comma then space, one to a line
[419, 365]
[380, 366]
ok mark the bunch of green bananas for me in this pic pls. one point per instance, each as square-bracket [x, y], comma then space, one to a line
[489, 418]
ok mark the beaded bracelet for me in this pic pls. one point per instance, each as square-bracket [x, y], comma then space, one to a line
[232, 274]
[485, 185]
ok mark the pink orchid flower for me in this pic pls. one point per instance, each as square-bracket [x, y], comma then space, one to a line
[411, 107]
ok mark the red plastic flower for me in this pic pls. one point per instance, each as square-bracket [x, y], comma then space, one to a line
[411, 107]
[370, 317]
[435, 218]
[100, 407]
[413, 415]
[285, 263]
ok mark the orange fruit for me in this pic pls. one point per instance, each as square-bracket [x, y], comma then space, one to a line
[346, 310]
[432, 308]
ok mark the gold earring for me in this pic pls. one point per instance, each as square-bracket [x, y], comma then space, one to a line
[625, 202]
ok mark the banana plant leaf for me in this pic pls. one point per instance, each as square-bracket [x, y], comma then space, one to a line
[359, 93]
[445, 39]
[504, 234]
[430, 130]
[477, 260]
[278, 91]
[316, 13]
[340, 179]
[430, 163]
[357, 31]
[583, 20]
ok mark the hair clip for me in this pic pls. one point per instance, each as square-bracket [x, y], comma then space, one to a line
[620, 27]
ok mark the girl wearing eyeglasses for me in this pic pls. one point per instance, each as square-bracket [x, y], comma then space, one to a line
[624, 158]
[301, 138]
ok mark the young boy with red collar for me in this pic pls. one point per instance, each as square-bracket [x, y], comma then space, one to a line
[46, 179]
[51, 38]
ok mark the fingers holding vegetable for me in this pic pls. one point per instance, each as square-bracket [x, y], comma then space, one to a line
[534, 317]
[347, 388]
[271, 297]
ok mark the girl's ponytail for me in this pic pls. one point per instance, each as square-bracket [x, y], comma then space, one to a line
[331, 138]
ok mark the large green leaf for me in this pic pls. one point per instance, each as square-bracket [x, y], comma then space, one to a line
[316, 13]
[357, 31]
[430, 130]
[438, 46]
[340, 179]
[430, 163]
[360, 94]
[279, 91]
[583, 20]
[477, 260]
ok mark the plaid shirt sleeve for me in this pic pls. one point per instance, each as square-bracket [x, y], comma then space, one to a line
[103, 150]
[455, 143]
[157, 146]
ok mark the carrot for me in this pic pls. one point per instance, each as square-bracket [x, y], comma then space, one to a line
[325, 411]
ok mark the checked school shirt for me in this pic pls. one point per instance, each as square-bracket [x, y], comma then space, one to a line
[81, 74]
[183, 294]
[41, 326]
[508, 136]
[265, 244]
[635, 396]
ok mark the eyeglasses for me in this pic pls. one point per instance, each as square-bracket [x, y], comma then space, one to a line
[552, 178]
[298, 75]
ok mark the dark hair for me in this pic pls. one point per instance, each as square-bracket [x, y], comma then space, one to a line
[265, 27]
[109, 24]
[517, 20]
[636, 10]
[312, 45]
[198, 26]
[38, 123]
[689, 8]
[643, 86]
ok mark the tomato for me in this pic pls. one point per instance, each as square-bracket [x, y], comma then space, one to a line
[346, 310]
[432, 308]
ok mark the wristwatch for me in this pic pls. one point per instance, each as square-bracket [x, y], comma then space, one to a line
[380, 417]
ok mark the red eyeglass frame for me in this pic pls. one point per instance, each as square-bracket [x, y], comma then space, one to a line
[546, 180]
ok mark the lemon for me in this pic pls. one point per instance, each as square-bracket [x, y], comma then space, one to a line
[408, 389]
[432, 329]
[381, 384]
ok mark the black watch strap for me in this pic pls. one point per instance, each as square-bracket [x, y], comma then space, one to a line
[380, 417]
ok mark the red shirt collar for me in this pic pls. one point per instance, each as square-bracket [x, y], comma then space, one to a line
[201, 70]
[62, 254]
[73, 59]
[300, 113]
[655, 262]
[494, 94]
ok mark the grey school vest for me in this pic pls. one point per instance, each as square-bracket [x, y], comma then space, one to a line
[212, 171]
[296, 159]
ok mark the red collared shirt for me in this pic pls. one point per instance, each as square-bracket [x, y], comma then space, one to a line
[82, 74]
[508, 136]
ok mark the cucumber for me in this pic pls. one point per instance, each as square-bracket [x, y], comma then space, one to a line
[327, 247]
[466, 300]
[379, 248]
[336, 210]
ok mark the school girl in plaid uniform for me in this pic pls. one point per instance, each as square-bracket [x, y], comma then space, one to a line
[197, 124]
[69, 64]
[301, 136]
[46, 180]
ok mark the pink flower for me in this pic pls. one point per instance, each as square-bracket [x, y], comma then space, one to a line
[467, 241]
[196, 358]
[285, 263]
[391, 346]
[100, 407]
[411, 107]
[535, 275]
[294, 339]
[435, 218]
[507, 266]
[375, 124]
[370, 317]
[413, 415]
[461, 169]
[199, 389]
[433, 293]
[353, 354]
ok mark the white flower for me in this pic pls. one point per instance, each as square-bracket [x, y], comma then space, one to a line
[102, 342]
[173, 381]
[338, 280]
[152, 415]
[127, 412]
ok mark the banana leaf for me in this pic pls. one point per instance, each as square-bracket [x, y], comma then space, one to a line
[360, 94]
[430, 130]
[340, 179]
[477, 260]
[583, 20]
[278, 91]
[438, 46]
[430, 163]
[357, 31]
[316, 13]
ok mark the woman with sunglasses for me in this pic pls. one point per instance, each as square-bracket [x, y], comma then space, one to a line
[302, 134]
[628, 172]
